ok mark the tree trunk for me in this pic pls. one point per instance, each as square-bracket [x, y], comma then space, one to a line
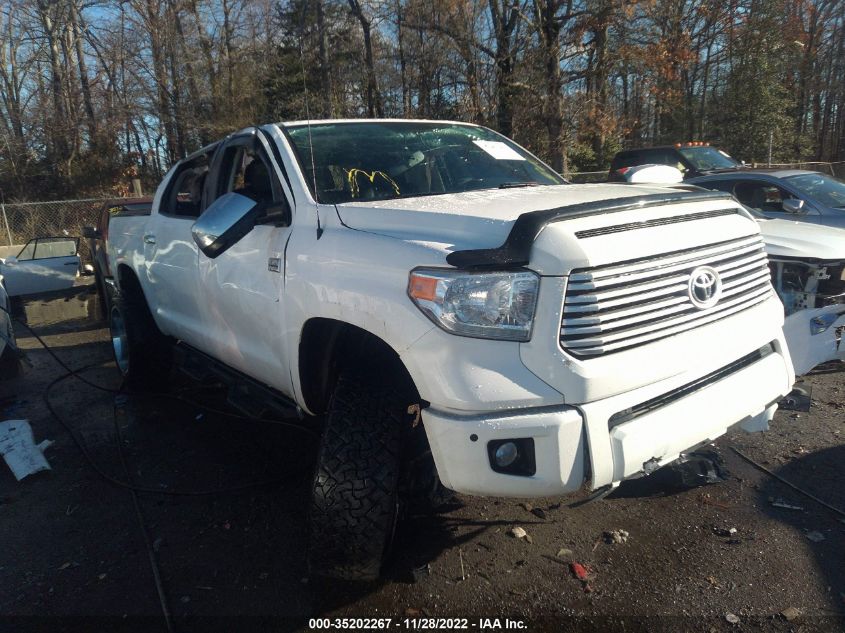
[228, 55]
[325, 68]
[504, 14]
[56, 133]
[155, 28]
[374, 106]
[403, 72]
[77, 32]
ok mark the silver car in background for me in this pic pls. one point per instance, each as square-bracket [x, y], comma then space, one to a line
[787, 194]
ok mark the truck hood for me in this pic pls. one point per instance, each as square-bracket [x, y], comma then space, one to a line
[473, 219]
[803, 240]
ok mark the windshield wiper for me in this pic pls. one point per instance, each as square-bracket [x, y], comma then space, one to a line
[516, 185]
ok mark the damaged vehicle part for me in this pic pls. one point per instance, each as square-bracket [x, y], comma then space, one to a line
[815, 337]
[808, 273]
[808, 284]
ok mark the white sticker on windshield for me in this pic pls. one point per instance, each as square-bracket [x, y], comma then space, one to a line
[498, 150]
[724, 154]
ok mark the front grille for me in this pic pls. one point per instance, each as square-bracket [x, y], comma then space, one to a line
[619, 306]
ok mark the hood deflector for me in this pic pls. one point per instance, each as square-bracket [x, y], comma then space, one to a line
[516, 250]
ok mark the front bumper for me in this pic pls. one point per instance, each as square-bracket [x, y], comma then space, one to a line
[574, 443]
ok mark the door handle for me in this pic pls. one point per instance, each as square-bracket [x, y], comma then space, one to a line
[71, 264]
[149, 238]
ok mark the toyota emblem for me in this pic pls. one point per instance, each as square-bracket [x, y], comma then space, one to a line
[705, 287]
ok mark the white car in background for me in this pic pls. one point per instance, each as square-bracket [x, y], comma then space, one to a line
[44, 264]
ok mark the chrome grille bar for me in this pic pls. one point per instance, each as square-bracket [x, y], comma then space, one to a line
[618, 306]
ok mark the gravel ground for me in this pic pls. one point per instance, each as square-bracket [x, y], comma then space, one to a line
[715, 558]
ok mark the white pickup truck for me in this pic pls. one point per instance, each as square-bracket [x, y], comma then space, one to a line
[432, 290]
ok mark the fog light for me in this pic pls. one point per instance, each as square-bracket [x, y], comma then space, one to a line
[512, 456]
[506, 454]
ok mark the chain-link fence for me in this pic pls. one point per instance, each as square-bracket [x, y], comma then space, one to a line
[832, 169]
[586, 176]
[23, 221]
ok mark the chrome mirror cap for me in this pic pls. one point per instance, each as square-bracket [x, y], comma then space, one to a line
[794, 205]
[221, 225]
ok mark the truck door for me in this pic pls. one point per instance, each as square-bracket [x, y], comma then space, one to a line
[241, 290]
[171, 254]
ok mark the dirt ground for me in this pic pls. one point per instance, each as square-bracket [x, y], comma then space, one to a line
[73, 550]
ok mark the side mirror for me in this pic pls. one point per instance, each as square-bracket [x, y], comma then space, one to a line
[90, 232]
[794, 205]
[227, 220]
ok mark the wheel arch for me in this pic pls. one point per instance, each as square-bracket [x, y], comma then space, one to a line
[327, 346]
[126, 279]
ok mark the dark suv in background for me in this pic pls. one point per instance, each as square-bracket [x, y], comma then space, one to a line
[692, 159]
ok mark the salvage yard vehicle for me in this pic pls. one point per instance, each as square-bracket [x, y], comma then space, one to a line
[97, 236]
[790, 194]
[692, 159]
[448, 308]
[44, 264]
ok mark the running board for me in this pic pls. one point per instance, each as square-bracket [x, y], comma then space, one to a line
[245, 394]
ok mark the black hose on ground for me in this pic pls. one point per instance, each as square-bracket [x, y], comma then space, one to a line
[76, 373]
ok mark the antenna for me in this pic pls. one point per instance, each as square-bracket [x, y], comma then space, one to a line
[308, 118]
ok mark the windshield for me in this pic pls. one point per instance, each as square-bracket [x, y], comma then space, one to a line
[708, 158]
[827, 190]
[382, 160]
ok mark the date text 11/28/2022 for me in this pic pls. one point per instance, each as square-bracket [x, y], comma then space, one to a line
[421, 624]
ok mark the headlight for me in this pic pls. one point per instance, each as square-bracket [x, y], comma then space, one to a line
[485, 305]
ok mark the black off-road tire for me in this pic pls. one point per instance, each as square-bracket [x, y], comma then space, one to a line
[150, 353]
[355, 499]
